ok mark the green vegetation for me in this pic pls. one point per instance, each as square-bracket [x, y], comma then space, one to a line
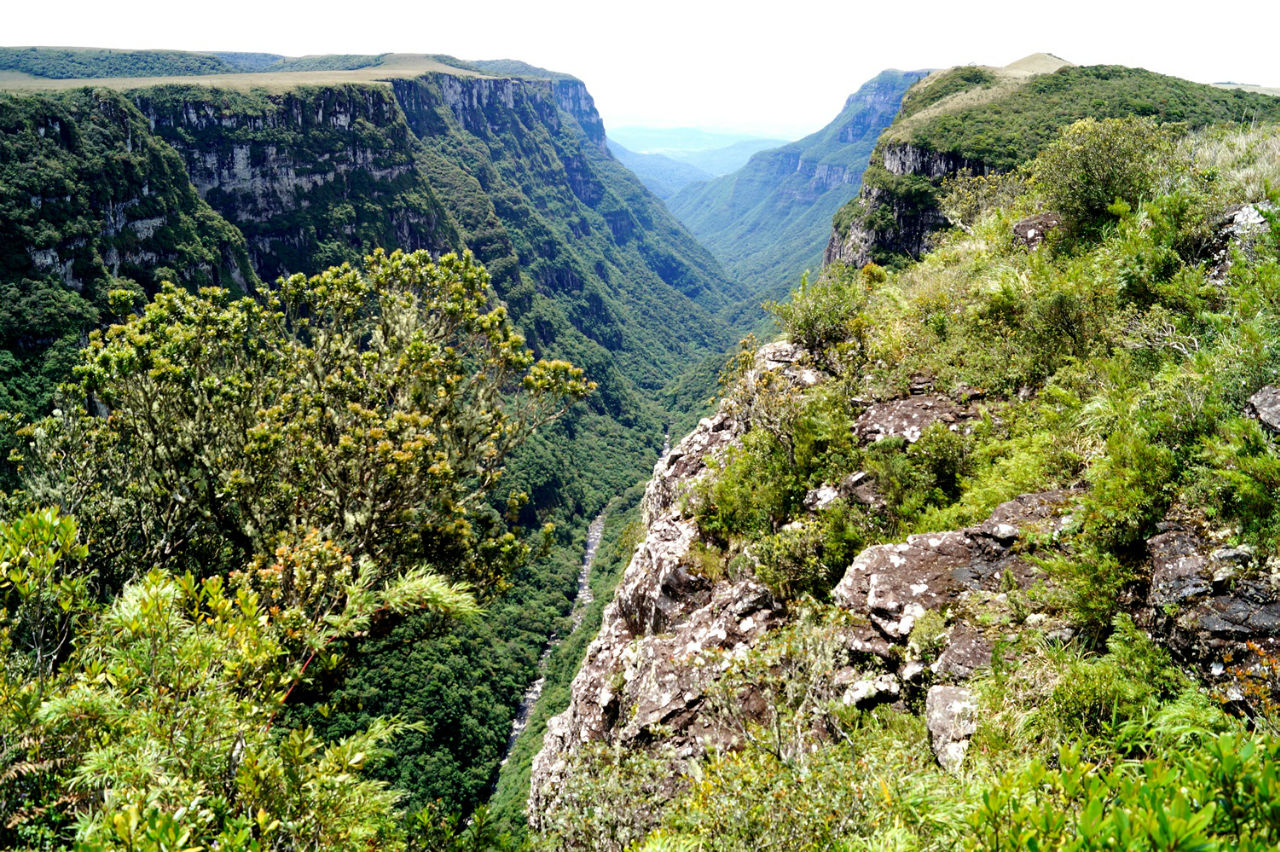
[1119, 355]
[591, 267]
[86, 62]
[1015, 128]
[278, 479]
[90, 203]
[1014, 119]
[934, 89]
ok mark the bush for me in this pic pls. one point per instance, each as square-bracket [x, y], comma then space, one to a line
[1092, 164]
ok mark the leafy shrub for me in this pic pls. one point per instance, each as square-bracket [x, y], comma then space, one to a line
[825, 312]
[1222, 795]
[1094, 163]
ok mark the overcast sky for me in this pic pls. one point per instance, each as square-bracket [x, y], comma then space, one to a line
[781, 68]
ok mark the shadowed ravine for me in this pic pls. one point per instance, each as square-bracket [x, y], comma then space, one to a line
[581, 600]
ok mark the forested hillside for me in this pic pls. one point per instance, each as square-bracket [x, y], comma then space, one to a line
[767, 221]
[978, 120]
[91, 203]
[110, 192]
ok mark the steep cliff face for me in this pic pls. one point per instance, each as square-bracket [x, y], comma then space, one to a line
[565, 221]
[312, 177]
[644, 669]
[91, 201]
[896, 210]
[111, 201]
[767, 222]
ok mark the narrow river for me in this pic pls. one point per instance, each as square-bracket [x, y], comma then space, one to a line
[582, 599]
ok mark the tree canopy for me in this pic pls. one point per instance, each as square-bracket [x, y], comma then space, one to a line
[236, 484]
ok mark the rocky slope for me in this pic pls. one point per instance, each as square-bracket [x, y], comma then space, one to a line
[767, 221]
[671, 633]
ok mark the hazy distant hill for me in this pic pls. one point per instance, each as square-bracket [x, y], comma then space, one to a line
[713, 151]
[769, 221]
[663, 175]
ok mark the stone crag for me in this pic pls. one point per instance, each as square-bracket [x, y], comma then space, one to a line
[670, 633]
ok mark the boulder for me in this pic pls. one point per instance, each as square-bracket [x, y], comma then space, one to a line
[821, 497]
[907, 417]
[894, 584]
[967, 651]
[871, 690]
[1239, 229]
[951, 714]
[1265, 405]
[1032, 230]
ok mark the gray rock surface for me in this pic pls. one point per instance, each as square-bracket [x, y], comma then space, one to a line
[951, 714]
[1211, 605]
[967, 651]
[1032, 230]
[908, 417]
[669, 633]
[894, 584]
[1265, 405]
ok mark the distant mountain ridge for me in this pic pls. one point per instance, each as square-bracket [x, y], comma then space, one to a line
[768, 222]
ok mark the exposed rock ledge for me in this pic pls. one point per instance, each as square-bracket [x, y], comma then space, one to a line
[646, 665]
[669, 634]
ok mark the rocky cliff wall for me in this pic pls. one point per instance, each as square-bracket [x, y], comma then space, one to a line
[896, 210]
[312, 177]
[670, 634]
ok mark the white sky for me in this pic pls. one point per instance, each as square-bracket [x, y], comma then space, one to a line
[781, 68]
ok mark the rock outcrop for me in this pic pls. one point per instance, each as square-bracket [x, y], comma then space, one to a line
[1215, 607]
[951, 715]
[908, 417]
[669, 633]
[1032, 230]
[896, 212]
[1265, 405]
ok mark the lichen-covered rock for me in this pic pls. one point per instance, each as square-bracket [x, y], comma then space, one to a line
[1212, 606]
[1265, 405]
[894, 584]
[1239, 230]
[951, 714]
[870, 690]
[967, 651]
[907, 417]
[1032, 230]
[669, 633]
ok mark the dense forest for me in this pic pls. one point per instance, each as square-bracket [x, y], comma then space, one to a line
[109, 193]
